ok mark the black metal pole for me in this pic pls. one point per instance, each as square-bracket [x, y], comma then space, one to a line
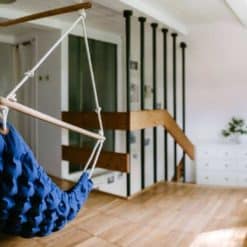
[154, 34]
[183, 47]
[174, 37]
[142, 21]
[127, 14]
[165, 31]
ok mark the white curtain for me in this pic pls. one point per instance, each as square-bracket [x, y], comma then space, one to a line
[7, 74]
[27, 95]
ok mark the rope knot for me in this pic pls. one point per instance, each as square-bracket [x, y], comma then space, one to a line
[30, 74]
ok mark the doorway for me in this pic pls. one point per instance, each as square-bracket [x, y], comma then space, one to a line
[104, 59]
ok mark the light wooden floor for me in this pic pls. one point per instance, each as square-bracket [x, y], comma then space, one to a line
[167, 215]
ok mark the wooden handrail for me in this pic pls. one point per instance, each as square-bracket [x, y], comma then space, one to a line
[107, 160]
[49, 13]
[133, 121]
[111, 120]
[151, 118]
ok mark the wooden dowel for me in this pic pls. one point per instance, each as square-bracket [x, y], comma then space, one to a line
[48, 13]
[36, 114]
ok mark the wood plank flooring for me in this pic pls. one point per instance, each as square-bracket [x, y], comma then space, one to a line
[169, 215]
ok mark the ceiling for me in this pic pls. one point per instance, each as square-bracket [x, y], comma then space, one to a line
[187, 12]
[198, 11]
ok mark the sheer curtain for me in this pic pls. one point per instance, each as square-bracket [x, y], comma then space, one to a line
[24, 60]
[7, 74]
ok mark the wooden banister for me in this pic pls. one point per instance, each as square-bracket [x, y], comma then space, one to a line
[148, 119]
[133, 121]
[49, 13]
[111, 120]
[107, 160]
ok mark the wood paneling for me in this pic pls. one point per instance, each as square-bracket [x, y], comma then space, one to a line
[45, 14]
[107, 160]
[89, 120]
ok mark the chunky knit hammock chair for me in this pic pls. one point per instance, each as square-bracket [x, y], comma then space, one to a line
[30, 203]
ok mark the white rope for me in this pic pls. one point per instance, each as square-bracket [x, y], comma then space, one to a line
[30, 74]
[91, 156]
[96, 158]
[4, 115]
[100, 143]
[98, 109]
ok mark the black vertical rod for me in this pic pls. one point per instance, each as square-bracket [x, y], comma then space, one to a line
[183, 47]
[174, 39]
[127, 14]
[154, 34]
[142, 21]
[165, 58]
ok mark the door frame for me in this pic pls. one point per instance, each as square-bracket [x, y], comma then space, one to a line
[104, 37]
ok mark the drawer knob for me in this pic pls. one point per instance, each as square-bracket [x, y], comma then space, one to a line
[226, 179]
[226, 165]
[206, 178]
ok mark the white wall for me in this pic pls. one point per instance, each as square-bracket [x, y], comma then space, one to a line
[216, 79]
[49, 101]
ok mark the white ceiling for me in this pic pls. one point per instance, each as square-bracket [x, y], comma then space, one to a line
[187, 12]
[97, 16]
[198, 11]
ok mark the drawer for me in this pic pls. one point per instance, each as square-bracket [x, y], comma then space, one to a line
[205, 153]
[241, 154]
[242, 165]
[205, 178]
[227, 154]
[204, 164]
[227, 165]
[225, 179]
[242, 180]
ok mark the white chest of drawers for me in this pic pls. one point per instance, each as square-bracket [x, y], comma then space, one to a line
[224, 165]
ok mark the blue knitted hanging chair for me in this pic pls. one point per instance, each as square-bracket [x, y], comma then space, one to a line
[30, 203]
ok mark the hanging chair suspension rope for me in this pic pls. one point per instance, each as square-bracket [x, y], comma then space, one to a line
[100, 143]
[9, 101]
[96, 159]
[91, 156]
[45, 14]
[21, 108]
[98, 109]
[31, 73]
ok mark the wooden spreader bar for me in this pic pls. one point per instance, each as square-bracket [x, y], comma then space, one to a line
[45, 14]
